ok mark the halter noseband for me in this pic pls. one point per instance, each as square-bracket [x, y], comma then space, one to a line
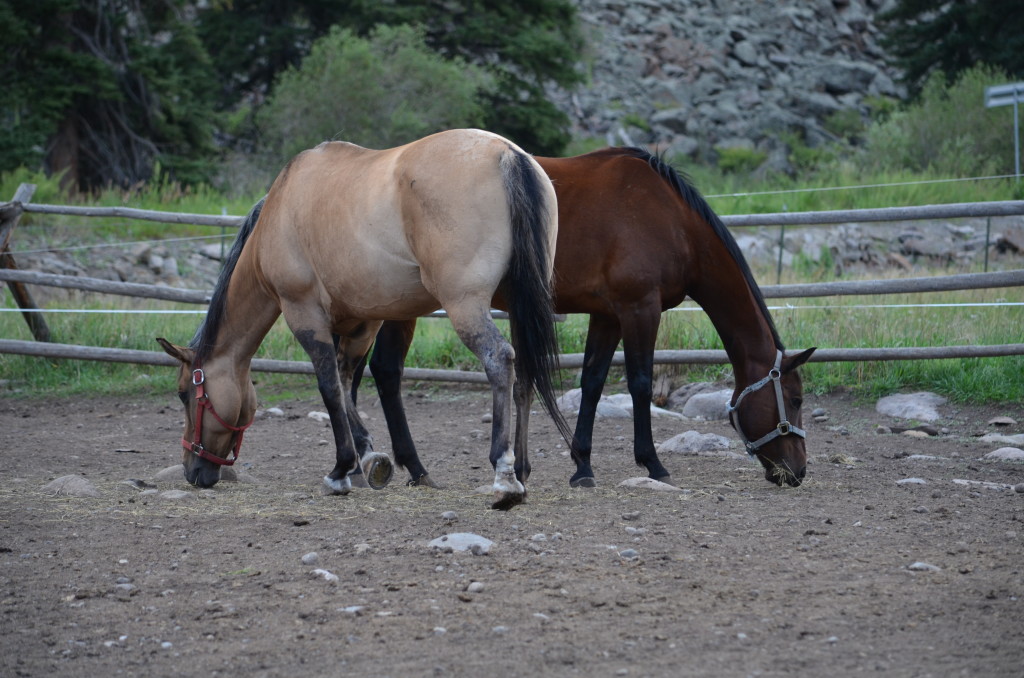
[203, 403]
[783, 427]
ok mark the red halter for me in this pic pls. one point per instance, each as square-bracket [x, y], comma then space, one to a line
[203, 403]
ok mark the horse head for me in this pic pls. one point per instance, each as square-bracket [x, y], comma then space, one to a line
[767, 416]
[212, 435]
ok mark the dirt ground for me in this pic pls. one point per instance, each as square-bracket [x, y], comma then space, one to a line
[730, 577]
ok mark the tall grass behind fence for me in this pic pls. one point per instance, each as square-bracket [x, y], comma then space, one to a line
[828, 322]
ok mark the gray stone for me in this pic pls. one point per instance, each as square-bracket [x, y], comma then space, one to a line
[461, 541]
[919, 406]
[71, 486]
[699, 444]
[672, 119]
[170, 474]
[1005, 454]
[912, 481]
[177, 495]
[923, 567]
[746, 53]
[609, 410]
[708, 406]
[679, 397]
[644, 483]
[842, 77]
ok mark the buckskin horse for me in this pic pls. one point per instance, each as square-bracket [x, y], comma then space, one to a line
[635, 237]
[348, 238]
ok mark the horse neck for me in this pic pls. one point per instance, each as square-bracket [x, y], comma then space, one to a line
[249, 314]
[731, 305]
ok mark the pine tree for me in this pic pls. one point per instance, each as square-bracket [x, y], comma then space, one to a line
[950, 37]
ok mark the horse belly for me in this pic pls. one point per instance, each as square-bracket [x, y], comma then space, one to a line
[376, 290]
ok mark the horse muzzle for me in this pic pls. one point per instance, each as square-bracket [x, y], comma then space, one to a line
[202, 474]
[780, 474]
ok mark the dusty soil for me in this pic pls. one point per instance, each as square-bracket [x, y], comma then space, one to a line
[731, 577]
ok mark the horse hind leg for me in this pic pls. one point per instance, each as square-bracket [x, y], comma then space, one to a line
[603, 336]
[375, 468]
[480, 335]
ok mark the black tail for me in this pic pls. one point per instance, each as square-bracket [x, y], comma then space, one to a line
[528, 283]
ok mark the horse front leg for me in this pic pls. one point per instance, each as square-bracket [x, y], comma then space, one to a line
[638, 344]
[603, 335]
[323, 354]
[480, 335]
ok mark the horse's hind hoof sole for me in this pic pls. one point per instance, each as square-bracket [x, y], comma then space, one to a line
[505, 501]
[378, 470]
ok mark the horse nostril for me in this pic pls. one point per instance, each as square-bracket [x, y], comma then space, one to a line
[802, 472]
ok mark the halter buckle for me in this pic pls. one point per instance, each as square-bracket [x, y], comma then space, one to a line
[198, 376]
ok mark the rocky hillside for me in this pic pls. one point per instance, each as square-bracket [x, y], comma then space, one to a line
[690, 76]
[695, 75]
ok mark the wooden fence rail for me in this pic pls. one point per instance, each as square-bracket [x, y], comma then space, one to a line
[566, 361]
[945, 283]
[9, 212]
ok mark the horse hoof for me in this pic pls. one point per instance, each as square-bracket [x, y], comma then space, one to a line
[423, 481]
[378, 469]
[358, 480]
[503, 501]
[585, 482]
[342, 486]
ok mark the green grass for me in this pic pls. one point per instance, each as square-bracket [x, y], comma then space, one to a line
[832, 322]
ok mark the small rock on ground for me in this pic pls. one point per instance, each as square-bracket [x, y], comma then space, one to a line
[462, 541]
[72, 486]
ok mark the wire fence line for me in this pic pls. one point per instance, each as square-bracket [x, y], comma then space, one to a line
[892, 184]
[1000, 208]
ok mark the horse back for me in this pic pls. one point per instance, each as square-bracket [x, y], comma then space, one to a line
[391, 233]
[624, 233]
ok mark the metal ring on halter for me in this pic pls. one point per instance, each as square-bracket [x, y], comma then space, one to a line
[784, 427]
[203, 403]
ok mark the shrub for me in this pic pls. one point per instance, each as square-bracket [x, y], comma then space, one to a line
[738, 159]
[382, 91]
[947, 130]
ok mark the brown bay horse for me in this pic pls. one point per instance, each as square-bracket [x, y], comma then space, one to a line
[348, 238]
[635, 238]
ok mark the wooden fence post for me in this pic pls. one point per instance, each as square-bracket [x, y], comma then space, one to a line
[10, 214]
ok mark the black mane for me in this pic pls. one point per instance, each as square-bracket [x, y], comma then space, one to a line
[202, 341]
[683, 186]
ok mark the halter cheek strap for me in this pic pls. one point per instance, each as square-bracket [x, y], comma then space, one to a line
[202, 404]
[783, 427]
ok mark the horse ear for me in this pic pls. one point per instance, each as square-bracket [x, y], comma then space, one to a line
[183, 354]
[793, 362]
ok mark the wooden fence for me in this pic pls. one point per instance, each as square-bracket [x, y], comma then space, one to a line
[10, 212]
